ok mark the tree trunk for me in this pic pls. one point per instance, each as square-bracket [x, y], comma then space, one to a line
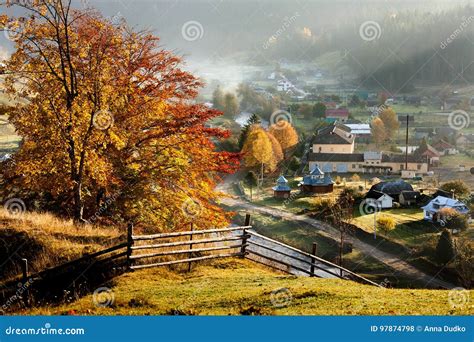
[78, 202]
[341, 250]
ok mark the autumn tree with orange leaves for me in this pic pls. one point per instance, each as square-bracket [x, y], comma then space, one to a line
[110, 120]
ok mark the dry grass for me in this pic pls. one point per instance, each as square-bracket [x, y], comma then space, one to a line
[47, 241]
[241, 287]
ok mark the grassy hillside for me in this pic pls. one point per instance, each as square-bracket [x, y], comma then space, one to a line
[47, 241]
[231, 286]
[235, 287]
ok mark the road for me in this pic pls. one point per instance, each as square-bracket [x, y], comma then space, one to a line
[390, 260]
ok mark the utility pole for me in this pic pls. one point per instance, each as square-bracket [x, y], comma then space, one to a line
[406, 146]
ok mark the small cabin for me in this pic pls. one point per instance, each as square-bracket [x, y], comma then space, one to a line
[281, 190]
[317, 182]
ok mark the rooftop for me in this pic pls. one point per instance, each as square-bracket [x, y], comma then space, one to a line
[334, 134]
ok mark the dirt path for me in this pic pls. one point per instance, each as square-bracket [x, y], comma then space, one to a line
[392, 261]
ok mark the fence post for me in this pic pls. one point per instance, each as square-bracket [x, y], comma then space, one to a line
[129, 244]
[190, 247]
[244, 236]
[24, 270]
[313, 260]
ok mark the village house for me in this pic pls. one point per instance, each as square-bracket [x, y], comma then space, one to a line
[378, 199]
[431, 154]
[445, 148]
[393, 189]
[338, 114]
[361, 131]
[317, 182]
[422, 132]
[284, 85]
[281, 190]
[334, 138]
[408, 198]
[431, 210]
[367, 162]
[465, 140]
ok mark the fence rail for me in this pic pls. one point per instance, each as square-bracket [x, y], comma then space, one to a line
[235, 241]
[250, 244]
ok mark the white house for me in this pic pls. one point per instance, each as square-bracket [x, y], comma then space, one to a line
[430, 211]
[379, 199]
[284, 85]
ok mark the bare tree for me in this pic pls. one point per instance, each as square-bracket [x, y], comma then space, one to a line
[342, 216]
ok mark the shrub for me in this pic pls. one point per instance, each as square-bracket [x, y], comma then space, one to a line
[445, 249]
[321, 204]
[458, 187]
[453, 219]
[338, 180]
[355, 177]
[386, 224]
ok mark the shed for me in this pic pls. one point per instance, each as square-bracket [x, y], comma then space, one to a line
[281, 190]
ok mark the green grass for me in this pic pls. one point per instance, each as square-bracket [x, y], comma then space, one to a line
[236, 287]
[302, 236]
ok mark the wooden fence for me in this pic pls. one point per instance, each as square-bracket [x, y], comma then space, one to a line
[144, 251]
[236, 242]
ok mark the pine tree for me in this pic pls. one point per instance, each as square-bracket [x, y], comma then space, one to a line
[253, 120]
[445, 250]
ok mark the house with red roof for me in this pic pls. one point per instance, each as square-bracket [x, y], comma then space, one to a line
[445, 148]
[339, 114]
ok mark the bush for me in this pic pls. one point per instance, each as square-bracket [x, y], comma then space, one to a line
[355, 177]
[458, 187]
[386, 224]
[338, 180]
[445, 248]
[321, 204]
[453, 219]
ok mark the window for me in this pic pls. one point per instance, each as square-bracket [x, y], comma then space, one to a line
[354, 166]
[418, 166]
[402, 167]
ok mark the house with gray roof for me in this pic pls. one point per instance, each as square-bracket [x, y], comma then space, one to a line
[281, 190]
[317, 182]
[431, 210]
